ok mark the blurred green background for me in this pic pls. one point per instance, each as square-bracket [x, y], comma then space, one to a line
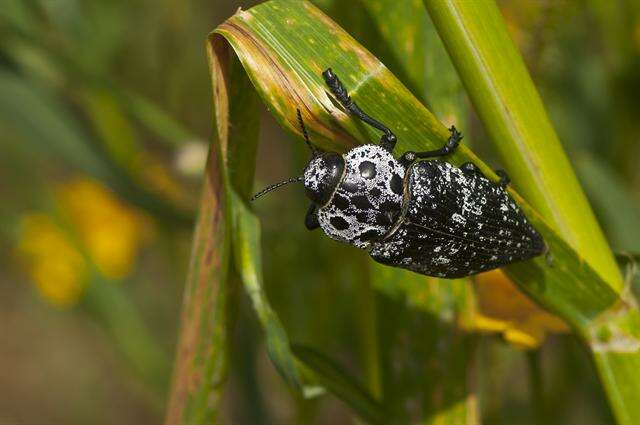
[104, 121]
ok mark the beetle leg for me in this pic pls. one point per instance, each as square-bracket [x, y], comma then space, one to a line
[504, 178]
[549, 259]
[311, 219]
[469, 168]
[451, 145]
[388, 139]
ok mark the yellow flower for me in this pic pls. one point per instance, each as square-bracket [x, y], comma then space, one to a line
[503, 308]
[101, 229]
[56, 267]
[111, 231]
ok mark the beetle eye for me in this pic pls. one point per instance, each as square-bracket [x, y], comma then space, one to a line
[322, 175]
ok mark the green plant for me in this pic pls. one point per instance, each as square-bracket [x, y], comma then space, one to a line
[283, 46]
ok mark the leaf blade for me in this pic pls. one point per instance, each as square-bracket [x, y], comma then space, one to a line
[509, 106]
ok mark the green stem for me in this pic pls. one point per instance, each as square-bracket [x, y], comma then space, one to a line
[497, 81]
[510, 108]
[536, 387]
[369, 337]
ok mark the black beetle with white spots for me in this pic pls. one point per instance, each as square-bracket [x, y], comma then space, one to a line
[416, 213]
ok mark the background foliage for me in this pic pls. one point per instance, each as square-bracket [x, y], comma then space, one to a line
[104, 118]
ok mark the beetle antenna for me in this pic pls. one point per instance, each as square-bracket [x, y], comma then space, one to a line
[275, 186]
[314, 151]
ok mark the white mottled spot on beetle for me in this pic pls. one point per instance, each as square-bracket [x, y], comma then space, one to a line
[459, 219]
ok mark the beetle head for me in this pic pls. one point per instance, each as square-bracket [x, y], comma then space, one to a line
[322, 175]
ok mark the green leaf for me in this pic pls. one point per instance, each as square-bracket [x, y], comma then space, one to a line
[584, 285]
[163, 125]
[617, 207]
[225, 229]
[246, 241]
[238, 170]
[414, 45]
[42, 120]
[510, 108]
[328, 373]
[201, 361]
[116, 133]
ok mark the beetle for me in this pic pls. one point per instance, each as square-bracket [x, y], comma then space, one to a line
[416, 212]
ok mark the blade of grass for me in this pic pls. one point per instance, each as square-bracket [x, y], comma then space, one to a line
[41, 119]
[403, 31]
[46, 65]
[202, 361]
[413, 42]
[328, 373]
[509, 106]
[366, 319]
[225, 226]
[37, 115]
[202, 353]
[246, 241]
[617, 207]
[536, 387]
[117, 134]
[162, 124]
[239, 127]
